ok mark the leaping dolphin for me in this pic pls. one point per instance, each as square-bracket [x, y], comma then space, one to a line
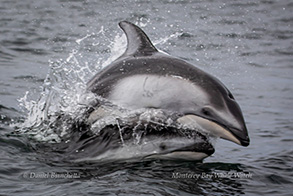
[145, 78]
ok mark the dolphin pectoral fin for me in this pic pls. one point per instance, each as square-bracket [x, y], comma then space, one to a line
[138, 43]
[197, 122]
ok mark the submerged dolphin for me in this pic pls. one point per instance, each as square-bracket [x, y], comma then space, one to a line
[145, 78]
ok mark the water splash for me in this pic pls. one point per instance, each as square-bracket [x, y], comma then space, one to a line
[163, 40]
[120, 132]
[63, 91]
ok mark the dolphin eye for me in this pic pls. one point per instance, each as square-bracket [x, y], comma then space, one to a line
[230, 96]
[206, 112]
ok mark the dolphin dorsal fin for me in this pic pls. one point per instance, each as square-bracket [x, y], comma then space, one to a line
[138, 43]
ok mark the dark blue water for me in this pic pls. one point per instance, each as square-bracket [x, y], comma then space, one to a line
[48, 47]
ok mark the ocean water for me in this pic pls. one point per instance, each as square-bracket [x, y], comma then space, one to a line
[50, 49]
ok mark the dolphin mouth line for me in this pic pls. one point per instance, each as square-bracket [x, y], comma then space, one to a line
[182, 155]
[210, 127]
[242, 142]
[192, 148]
